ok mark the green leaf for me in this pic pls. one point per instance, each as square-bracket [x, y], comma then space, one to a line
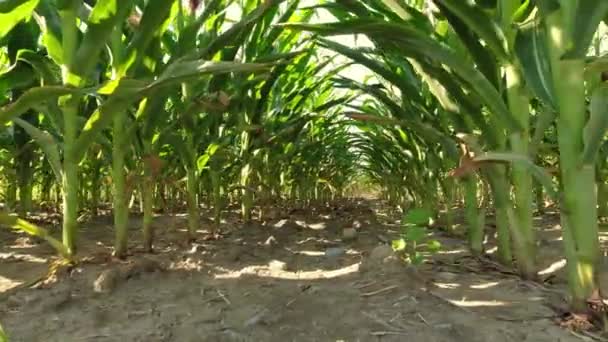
[531, 50]
[398, 245]
[50, 24]
[125, 92]
[418, 216]
[541, 175]
[12, 12]
[48, 145]
[547, 6]
[433, 246]
[480, 23]
[33, 97]
[99, 120]
[105, 17]
[192, 70]
[486, 62]
[19, 76]
[9, 5]
[3, 337]
[588, 16]
[414, 234]
[408, 41]
[522, 11]
[31, 229]
[596, 127]
[417, 258]
[154, 16]
[42, 65]
[204, 159]
[234, 33]
[544, 119]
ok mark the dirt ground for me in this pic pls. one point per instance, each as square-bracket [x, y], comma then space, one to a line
[288, 279]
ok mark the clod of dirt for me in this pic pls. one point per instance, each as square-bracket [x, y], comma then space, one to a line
[446, 276]
[141, 266]
[381, 252]
[349, 234]
[271, 241]
[334, 252]
[13, 302]
[196, 249]
[107, 281]
[277, 266]
[273, 214]
[110, 278]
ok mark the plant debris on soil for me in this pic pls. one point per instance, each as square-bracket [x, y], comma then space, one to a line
[297, 278]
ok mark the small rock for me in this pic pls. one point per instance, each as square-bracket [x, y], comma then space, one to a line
[446, 276]
[107, 281]
[196, 248]
[333, 252]
[276, 265]
[349, 234]
[271, 241]
[381, 252]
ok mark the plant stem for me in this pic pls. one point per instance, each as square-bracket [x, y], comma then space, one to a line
[70, 186]
[147, 198]
[473, 216]
[500, 194]
[121, 209]
[524, 249]
[217, 196]
[579, 211]
[193, 213]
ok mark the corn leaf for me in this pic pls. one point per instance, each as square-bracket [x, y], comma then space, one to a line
[588, 16]
[410, 42]
[596, 127]
[3, 337]
[14, 11]
[50, 25]
[33, 97]
[479, 22]
[42, 65]
[34, 230]
[154, 16]
[124, 93]
[531, 50]
[48, 145]
[541, 175]
[106, 15]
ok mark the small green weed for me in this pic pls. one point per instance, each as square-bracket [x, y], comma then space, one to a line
[3, 337]
[414, 245]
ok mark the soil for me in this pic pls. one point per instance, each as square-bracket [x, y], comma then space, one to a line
[285, 279]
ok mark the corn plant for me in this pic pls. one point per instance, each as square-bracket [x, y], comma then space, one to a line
[525, 47]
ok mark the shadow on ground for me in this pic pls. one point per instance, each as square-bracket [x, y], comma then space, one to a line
[287, 279]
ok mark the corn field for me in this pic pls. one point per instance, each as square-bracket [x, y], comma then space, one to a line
[477, 120]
